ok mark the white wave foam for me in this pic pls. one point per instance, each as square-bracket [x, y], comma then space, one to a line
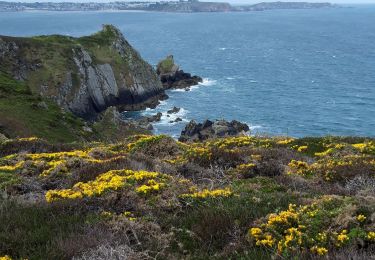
[230, 78]
[222, 49]
[162, 102]
[167, 118]
[254, 127]
[207, 82]
[178, 90]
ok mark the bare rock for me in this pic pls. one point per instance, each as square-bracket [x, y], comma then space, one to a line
[212, 129]
[174, 110]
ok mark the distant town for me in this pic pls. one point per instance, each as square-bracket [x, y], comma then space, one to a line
[189, 6]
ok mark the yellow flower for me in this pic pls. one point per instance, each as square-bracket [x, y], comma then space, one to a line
[361, 218]
[255, 232]
[342, 238]
[209, 193]
[6, 257]
[111, 180]
[371, 236]
[302, 148]
[319, 250]
[286, 141]
[268, 241]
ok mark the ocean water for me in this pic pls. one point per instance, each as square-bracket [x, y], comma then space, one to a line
[287, 72]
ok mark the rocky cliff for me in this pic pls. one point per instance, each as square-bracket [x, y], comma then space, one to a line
[83, 75]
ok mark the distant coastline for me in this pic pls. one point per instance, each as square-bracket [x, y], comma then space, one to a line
[190, 6]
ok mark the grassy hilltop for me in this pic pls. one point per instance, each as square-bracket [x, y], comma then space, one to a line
[154, 197]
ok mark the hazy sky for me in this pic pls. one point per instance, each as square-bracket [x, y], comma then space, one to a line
[230, 1]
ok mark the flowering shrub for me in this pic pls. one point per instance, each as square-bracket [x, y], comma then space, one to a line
[333, 169]
[308, 228]
[366, 148]
[208, 194]
[199, 154]
[112, 180]
[12, 168]
[299, 168]
[144, 140]
[285, 141]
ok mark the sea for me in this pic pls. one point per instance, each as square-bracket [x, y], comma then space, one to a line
[283, 72]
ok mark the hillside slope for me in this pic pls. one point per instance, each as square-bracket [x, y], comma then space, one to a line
[150, 197]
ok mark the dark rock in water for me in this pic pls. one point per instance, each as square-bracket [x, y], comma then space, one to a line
[152, 103]
[172, 77]
[212, 129]
[155, 118]
[174, 110]
[178, 119]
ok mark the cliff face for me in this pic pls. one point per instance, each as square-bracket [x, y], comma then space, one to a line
[83, 75]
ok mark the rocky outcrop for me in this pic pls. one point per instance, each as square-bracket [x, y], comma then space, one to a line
[172, 77]
[212, 129]
[83, 75]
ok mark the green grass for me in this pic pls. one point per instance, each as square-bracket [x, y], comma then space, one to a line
[19, 111]
[8, 179]
[103, 37]
[166, 65]
[11, 86]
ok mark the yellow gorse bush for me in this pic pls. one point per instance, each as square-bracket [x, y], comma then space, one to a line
[12, 168]
[368, 147]
[299, 168]
[331, 168]
[198, 153]
[112, 180]
[209, 194]
[304, 228]
[285, 141]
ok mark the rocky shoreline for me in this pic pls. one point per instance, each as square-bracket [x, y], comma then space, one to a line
[171, 77]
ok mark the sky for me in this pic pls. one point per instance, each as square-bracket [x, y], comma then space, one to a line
[230, 1]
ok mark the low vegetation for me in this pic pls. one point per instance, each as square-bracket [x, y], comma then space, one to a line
[153, 197]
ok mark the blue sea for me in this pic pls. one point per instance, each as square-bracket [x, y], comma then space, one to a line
[284, 72]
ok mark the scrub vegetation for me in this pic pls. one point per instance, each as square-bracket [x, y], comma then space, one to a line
[153, 197]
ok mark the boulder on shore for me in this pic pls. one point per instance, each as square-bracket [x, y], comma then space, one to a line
[172, 77]
[212, 129]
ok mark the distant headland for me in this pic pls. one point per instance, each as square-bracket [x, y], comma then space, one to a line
[190, 6]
